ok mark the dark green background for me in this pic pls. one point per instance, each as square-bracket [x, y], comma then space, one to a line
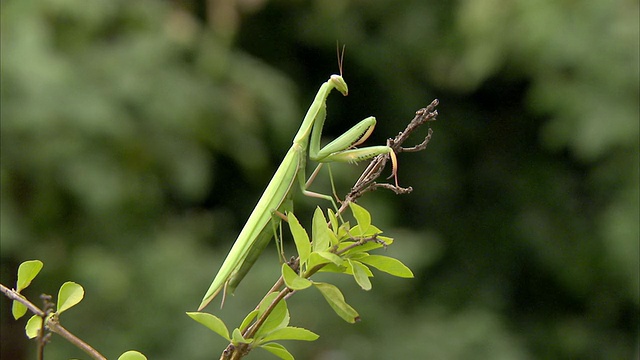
[137, 136]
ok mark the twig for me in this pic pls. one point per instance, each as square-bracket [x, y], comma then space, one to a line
[366, 182]
[44, 336]
[52, 323]
[14, 295]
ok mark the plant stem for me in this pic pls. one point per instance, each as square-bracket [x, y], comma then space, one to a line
[52, 324]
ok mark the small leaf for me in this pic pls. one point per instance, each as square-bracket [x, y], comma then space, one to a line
[315, 260]
[293, 280]
[266, 301]
[322, 258]
[333, 268]
[320, 232]
[358, 256]
[300, 237]
[27, 271]
[386, 240]
[389, 265]
[248, 319]
[291, 333]
[132, 355]
[347, 269]
[278, 318]
[360, 232]
[278, 350]
[331, 257]
[364, 269]
[18, 309]
[371, 245]
[212, 322]
[70, 294]
[363, 218]
[336, 300]
[237, 338]
[33, 326]
[360, 274]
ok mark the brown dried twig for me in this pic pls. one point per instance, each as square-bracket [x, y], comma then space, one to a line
[366, 182]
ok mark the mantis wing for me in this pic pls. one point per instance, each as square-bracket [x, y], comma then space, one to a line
[257, 230]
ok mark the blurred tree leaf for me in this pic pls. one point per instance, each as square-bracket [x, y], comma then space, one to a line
[70, 295]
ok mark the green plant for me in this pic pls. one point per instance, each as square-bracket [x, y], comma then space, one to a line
[46, 321]
[334, 246]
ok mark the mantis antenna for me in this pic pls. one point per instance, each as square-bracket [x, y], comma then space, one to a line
[340, 55]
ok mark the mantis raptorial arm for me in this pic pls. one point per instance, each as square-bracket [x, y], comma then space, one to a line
[257, 232]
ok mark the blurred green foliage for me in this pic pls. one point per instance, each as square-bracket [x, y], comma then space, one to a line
[137, 136]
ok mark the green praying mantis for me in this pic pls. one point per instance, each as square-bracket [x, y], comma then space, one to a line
[276, 199]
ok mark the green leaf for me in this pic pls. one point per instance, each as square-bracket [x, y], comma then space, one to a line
[33, 326]
[346, 268]
[212, 322]
[278, 318]
[293, 280]
[336, 259]
[315, 260]
[266, 301]
[291, 333]
[336, 300]
[361, 232]
[18, 309]
[333, 268]
[386, 240]
[389, 265]
[278, 350]
[371, 245]
[324, 257]
[248, 319]
[360, 274]
[132, 355]
[27, 271]
[362, 216]
[300, 237]
[358, 256]
[70, 294]
[237, 338]
[320, 232]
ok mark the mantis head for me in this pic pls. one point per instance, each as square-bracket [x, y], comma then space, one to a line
[339, 83]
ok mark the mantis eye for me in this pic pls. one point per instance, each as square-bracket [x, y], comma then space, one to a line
[340, 84]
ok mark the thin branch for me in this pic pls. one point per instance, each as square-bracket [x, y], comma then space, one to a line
[52, 323]
[14, 295]
[44, 336]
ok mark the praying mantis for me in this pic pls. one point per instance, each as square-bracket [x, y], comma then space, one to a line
[276, 199]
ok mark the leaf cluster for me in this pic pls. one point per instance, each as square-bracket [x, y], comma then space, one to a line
[334, 246]
[42, 322]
